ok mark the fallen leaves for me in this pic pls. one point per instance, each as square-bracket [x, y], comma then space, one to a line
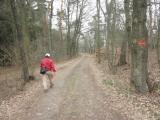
[123, 97]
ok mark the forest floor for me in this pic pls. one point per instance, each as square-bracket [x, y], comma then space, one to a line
[134, 105]
[82, 91]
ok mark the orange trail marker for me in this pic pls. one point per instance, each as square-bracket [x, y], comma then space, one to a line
[142, 43]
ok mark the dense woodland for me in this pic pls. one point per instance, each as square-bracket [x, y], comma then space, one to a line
[130, 28]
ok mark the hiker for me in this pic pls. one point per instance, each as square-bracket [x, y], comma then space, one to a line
[47, 71]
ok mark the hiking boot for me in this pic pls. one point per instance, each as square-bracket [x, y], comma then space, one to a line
[51, 85]
[45, 90]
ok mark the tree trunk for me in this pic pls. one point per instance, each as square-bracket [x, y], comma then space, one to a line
[50, 27]
[158, 40]
[98, 31]
[139, 48]
[122, 60]
[111, 37]
[150, 38]
[20, 37]
[43, 16]
[68, 30]
[108, 9]
[61, 30]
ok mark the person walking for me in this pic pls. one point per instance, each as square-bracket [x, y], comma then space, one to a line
[47, 70]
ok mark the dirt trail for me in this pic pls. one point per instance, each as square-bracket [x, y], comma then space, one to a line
[75, 96]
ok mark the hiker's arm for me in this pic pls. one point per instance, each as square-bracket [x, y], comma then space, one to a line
[53, 66]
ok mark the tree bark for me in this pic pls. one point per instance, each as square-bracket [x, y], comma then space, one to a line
[111, 37]
[68, 30]
[50, 27]
[61, 30]
[150, 37]
[158, 40]
[20, 37]
[139, 48]
[122, 60]
[98, 31]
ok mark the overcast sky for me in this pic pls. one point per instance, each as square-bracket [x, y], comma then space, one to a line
[90, 9]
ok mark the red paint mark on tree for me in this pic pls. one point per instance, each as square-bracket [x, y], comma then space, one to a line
[142, 43]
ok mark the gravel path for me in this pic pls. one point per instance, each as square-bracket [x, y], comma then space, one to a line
[75, 96]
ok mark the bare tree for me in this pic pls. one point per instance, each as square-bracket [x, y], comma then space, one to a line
[73, 36]
[122, 60]
[98, 31]
[18, 25]
[50, 24]
[68, 28]
[158, 39]
[150, 29]
[111, 36]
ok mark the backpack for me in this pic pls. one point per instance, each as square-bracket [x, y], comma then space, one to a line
[42, 71]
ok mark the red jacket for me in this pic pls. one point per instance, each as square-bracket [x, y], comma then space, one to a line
[48, 64]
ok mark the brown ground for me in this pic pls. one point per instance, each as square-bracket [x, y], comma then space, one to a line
[75, 96]
[81, 92]
[137, 106]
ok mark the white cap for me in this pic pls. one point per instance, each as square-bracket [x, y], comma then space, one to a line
[47, 55]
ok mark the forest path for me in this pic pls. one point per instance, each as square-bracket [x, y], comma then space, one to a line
[75, 96]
